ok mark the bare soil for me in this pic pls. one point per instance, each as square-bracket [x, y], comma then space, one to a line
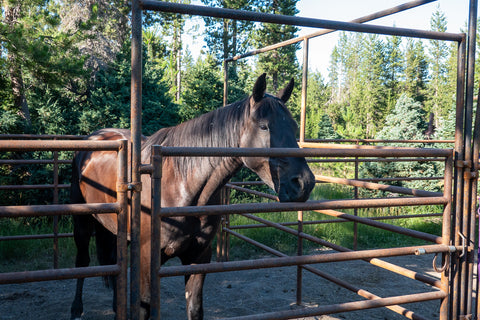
[233, 294]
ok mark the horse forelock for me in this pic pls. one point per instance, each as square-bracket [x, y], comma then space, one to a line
[274, 108]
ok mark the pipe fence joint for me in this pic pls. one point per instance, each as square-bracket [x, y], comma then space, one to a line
[463, 164]
[135, 186]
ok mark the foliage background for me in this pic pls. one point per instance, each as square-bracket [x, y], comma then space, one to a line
[65, 69]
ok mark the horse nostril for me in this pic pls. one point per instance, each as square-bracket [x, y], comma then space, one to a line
[296, 182]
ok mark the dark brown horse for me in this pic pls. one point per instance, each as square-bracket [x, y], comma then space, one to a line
[259, 121]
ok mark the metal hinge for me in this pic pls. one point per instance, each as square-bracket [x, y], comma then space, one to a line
[133, 186]
[463, 164]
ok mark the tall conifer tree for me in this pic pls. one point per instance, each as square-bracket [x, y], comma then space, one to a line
[416, 70]
[438, 101]
[282, 63]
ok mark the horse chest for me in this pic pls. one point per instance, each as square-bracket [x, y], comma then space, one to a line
[184, 234]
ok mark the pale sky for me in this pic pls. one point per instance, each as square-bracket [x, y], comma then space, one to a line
[456, 12]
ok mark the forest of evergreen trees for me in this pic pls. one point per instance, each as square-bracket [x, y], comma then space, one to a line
[64, 69]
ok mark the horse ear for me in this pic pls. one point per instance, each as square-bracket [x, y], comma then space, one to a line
[259, 88]
[285, 94]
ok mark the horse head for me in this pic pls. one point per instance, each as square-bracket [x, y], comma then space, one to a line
[269, 124]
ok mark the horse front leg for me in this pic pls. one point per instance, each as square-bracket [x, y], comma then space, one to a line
[194, 296]
[194, 287]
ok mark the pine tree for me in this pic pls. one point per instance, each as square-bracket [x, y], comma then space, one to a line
[282, 63]
[173, 26]
[406, 122]
[224, 37]
[37, 54]
[318, 123]
[416, 70]
[203, 89]
[394, 66]
[438, 101]
[109, 101]
[360, 91]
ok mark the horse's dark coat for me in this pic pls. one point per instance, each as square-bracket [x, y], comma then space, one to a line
[259, 121]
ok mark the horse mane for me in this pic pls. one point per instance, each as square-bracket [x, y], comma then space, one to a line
[218, 128]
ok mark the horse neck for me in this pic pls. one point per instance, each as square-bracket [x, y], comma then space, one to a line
[218, 129]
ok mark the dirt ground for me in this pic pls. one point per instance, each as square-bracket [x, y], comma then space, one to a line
[232, 294]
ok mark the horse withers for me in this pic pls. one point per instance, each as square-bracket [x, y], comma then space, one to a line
[259, 121]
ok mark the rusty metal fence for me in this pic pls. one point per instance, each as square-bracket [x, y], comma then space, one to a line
[54, 185]
[120, 207]
[458, 218]
[456, 244]
[441, 244]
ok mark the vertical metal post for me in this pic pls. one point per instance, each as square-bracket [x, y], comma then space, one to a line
[226, 244]
[299, 253]
[470, 193]
[222, 237]
[476, 166]
[55, 201]
[136, 131]
[355, 210]
[303, 110]
[155, 255]
[459, 157]
[122, 230]
[446, 230]
[220, 231]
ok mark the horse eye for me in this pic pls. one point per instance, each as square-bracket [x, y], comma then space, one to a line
[264, 127]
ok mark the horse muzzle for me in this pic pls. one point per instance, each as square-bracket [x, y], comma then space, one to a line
[297, 188]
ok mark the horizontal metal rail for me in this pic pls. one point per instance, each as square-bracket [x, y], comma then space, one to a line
[40, 136]
[295, 20]
[384, 226]
[345, 307]
[58, 209]
[58, 145]
[302, 206]
[252, 192]
[377, 186]
[312, 222]
[377, 160]
[305, 152]
[58, 274]
[36, 236]
[301, 260]
[33, 186]
[370, 17]
[368, 141]
[33, 161]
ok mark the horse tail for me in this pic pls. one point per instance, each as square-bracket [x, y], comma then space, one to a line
[75, 192]
[106, 243]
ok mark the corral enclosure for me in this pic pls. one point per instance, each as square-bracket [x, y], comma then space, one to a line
[452, 279]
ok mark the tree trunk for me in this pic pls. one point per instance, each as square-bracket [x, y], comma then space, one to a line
[12, 13]
[177, 51]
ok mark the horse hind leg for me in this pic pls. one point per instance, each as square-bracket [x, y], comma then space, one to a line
[82, 232]
[106, 243]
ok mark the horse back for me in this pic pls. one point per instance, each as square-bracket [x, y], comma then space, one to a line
[95, 175]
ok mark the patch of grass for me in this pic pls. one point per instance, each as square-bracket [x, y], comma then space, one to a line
[26, 255]
[338, 233]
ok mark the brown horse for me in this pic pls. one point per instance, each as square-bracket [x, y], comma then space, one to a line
[259, 121]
